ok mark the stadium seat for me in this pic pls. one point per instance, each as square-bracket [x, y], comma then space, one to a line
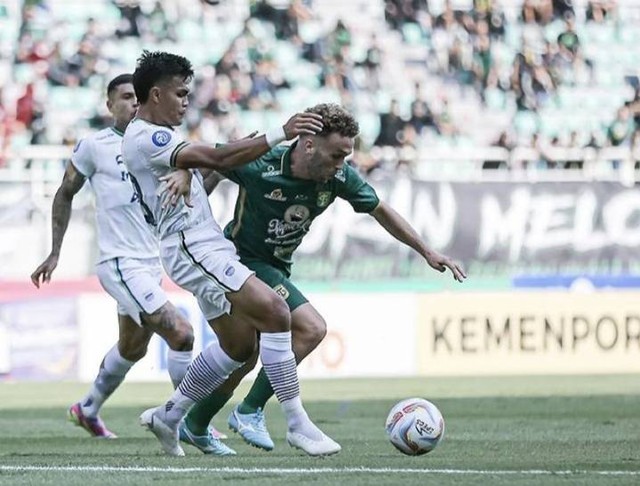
[369, 126]
[190, 31]
[526, 123]
[412, 33]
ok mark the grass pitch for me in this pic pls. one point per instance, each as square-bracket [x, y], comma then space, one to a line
[500, 431]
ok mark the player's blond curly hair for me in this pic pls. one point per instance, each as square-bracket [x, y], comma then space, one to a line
[335, 120]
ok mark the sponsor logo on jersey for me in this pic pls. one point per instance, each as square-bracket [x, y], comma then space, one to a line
[148, 297]
[281, 291]
[161, 138]
[271, 172]
[301, 197]
[340, 175]
[276, 195]
[324, 198]
[229, 271]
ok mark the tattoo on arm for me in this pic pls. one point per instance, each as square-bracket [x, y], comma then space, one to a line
[61, 209]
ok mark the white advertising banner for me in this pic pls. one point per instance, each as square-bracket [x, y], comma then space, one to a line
[366, 336]
[369, 335]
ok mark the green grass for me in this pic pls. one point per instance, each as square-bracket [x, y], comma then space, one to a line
[533, 430]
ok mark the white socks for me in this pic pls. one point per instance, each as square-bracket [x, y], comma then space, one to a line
[207, 372]
[177, 363]
[112, 371]
[279, 364]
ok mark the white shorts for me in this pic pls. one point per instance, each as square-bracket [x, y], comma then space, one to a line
[134, 283]
[203, 262]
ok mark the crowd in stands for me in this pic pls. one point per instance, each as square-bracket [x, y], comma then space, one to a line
[534, 73]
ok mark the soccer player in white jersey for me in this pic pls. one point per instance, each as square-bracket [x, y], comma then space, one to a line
[198, 257]
[128, 268]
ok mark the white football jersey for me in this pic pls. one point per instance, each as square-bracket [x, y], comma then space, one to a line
[122, 231]
[149, 151]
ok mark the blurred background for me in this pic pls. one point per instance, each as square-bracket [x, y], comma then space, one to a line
[506, 132]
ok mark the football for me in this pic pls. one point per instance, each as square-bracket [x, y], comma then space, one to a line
[415, 426]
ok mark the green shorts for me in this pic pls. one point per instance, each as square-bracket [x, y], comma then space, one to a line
[278, 281]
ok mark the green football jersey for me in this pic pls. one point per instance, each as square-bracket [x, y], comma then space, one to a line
[274, 210]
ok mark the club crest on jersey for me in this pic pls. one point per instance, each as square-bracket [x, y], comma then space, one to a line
[324, 198]
[281, 291]
[161, 138]
[275, 195]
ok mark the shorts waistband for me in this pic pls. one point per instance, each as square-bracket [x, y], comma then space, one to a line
[202, 227]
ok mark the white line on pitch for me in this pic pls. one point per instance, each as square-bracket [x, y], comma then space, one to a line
[322, 470]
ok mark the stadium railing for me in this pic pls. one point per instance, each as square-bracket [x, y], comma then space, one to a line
[37, 164]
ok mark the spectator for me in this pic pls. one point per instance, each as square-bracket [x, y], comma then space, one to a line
[421, 116]
[505, 141]
[131, 17]
[598, 11]
[391, 126]
[620, 130]
[568, 39]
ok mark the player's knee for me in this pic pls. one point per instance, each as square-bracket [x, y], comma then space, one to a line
[133, 351]
[240, 349]
[277, 317]
[318, 331]
[183, 339]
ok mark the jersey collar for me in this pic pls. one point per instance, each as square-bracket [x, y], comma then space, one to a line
[285, 160]
[117, 132]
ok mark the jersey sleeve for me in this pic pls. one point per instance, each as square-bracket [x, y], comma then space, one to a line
[82, 158]
[161, 146]
[238, 175]
[357, 191]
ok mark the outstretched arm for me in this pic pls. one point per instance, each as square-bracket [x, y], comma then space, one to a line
[399, 228]
[235, 154]
[178, 182]
[72, 182]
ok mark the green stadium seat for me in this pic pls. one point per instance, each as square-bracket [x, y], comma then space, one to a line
[251, 120]
[412, 33]
[189, 31]
[369, 126]
[23, 73]
[495, 99]
[383, 101]
[553, 30]
[79, 99]
[526, 123]
[602, 34]
[286, 54]
[310, 32]
[513, 36]
[303, 74]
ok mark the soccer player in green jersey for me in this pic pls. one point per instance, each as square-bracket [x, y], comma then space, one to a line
[281, 193]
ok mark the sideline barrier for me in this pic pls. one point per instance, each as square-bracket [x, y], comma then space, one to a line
[382, 334]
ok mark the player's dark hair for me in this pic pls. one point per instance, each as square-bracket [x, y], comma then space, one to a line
[157, 67]
[117, 81]
[335, 119]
